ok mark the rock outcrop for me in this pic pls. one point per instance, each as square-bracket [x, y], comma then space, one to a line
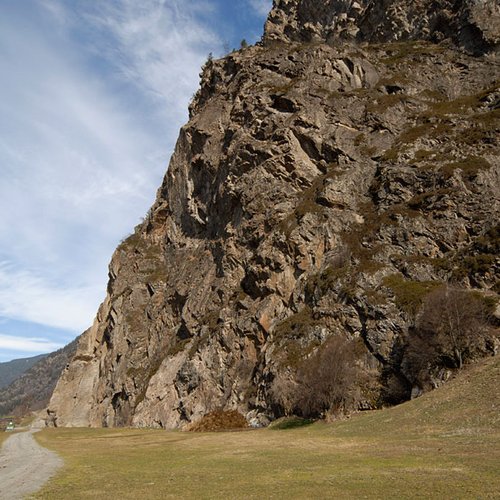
[323, 183]
[473, 24]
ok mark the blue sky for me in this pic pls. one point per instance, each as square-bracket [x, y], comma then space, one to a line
[92, 95]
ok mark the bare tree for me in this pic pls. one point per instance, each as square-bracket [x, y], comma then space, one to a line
[451, 329]
[457, 319]
[283, 392]
[331, 380]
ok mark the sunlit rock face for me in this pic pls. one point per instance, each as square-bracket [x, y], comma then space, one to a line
[472, 24]
[322, 174]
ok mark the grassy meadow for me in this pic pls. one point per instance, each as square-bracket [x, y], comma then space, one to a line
[445, 444]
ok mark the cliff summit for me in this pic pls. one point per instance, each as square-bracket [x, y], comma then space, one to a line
[472, 24]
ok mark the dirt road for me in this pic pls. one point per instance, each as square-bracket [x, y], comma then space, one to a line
[25, 466]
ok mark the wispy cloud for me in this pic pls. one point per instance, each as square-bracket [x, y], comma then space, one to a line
[25, 296]
[27, 345]
[159, 46]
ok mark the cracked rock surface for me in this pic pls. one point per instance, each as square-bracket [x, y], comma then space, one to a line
[312, 174]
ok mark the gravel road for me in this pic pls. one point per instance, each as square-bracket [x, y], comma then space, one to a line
[25, 466]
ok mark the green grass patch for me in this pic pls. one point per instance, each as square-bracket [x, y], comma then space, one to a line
[478, 258]
[409, 295]
[385, 102]
[437, 122]
[425, 130]
[401, 51]
[291, 335]
[469, 166]
[490, 241]
[460, 104]
[425, 200]
[323, 281]
[461, 266]
[296, 325]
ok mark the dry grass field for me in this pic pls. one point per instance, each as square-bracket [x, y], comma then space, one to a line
[445, 444]
[3, 437]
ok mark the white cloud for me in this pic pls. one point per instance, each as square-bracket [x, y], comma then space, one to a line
[27, 297]
[56, 9]
[33, 345]
[70, 189]
[160, 46]
[262, 7]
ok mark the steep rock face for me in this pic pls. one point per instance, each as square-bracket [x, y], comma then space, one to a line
[473, 24]
[309, 180]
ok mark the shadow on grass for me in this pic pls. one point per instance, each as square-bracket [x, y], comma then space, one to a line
[290, 423]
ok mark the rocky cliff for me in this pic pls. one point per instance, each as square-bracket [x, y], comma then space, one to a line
[327, 181]
[472, 24]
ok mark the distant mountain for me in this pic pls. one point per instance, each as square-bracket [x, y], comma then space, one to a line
[32, 389]
[11, 370]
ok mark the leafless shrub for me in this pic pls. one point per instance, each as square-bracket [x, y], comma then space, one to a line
[332, 381]
[219, 421]
[452, 328]
[283, 393]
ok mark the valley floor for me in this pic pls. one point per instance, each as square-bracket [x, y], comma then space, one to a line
[445, 444]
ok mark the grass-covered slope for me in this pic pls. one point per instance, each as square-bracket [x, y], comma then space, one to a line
[445, 444]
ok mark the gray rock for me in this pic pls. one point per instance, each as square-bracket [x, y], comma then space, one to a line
[310, 176]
